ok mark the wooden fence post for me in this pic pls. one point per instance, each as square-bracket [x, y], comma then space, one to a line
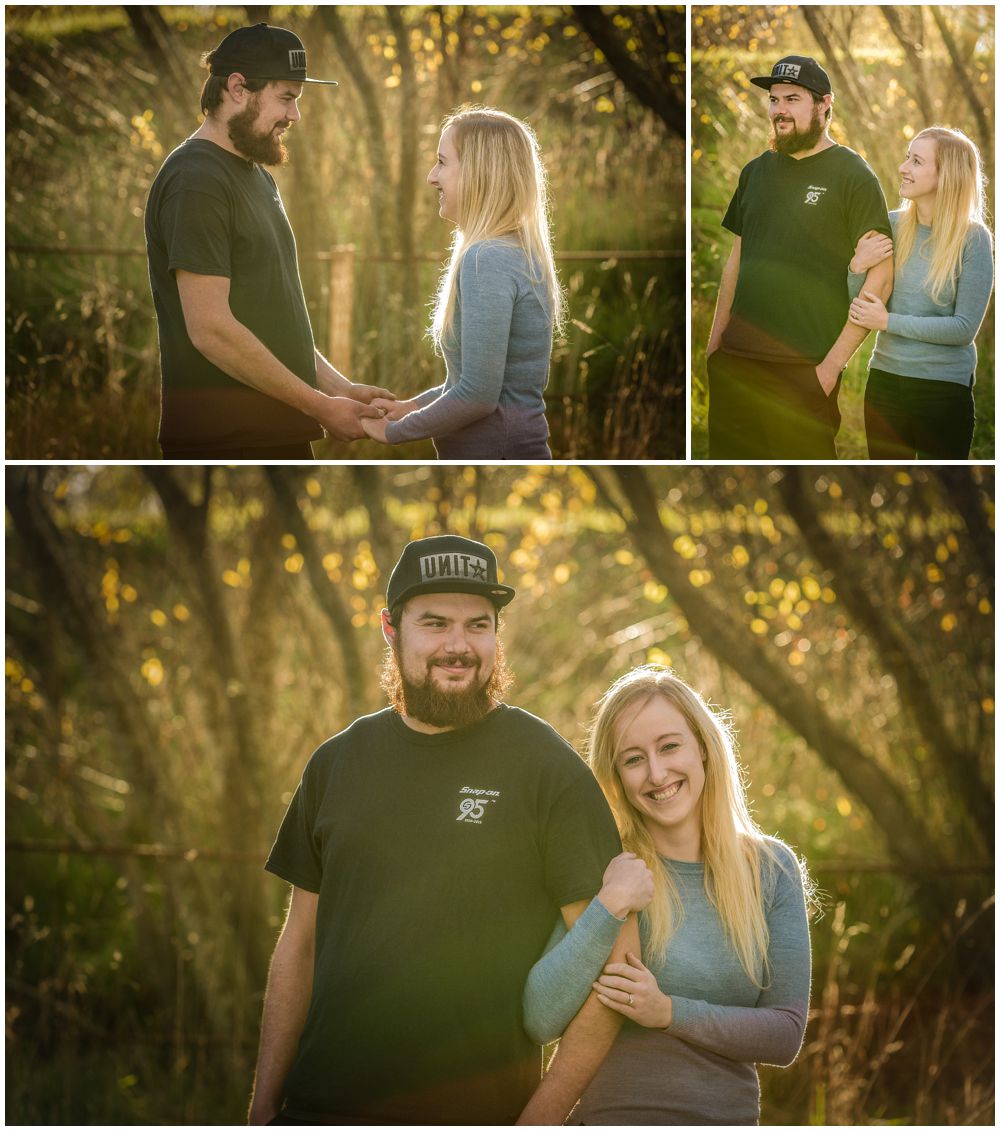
[341, 308]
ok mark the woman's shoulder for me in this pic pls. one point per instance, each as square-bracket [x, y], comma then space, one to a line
[779, 861]
[495, 250]
[979, 237]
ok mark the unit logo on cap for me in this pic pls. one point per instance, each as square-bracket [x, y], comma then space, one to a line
[786, 70]
[436, 567]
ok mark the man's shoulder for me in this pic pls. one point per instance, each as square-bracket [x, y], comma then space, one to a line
[191, 166]
[544, 743]
[358, 735]
[850, 160]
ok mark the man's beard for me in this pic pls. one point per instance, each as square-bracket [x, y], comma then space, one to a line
[798, 140]
[265, 149]
[425, 701]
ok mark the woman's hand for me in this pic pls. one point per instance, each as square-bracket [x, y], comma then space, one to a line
[627, 885]
[872, 248]
[393, 409]
[869, 310]
[631, 990]
[376, 428]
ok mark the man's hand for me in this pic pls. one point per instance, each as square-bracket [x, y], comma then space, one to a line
[827, 375]
[869, 310]
[872, 248]
[627, 885]
[343, 417]
[368, 393]
[395, 410]
[630, 989]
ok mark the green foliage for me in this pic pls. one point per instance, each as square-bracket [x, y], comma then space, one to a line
[81, 362]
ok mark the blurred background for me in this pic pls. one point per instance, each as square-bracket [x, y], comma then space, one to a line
[98, 96]
[894, 70]
[180, 639]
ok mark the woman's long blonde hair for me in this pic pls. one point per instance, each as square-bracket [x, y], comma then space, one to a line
[733, 847]
[957, 205]
[502, 191]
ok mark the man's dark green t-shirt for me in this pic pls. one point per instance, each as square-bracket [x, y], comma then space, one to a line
[441, 862]
[212, 212]
[799, 221]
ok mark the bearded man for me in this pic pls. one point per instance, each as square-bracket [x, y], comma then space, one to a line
[430, 848]
[781, 337]
[240, 374]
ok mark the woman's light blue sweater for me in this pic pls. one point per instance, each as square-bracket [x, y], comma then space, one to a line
[700, 1070]
[926, 340]
[497, 357]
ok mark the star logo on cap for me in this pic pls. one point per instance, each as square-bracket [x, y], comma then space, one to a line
[479, 570]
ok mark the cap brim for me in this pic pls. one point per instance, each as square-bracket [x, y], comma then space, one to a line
[323, 82]
[500, 595]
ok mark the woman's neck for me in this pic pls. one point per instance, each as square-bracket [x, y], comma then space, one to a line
[925, 210]
[682, 843]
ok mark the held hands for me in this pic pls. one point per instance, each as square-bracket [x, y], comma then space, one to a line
[872, 248]
[370, 394]
[627, 885]
[869, 310]
[631, 990]
[343, 417]
[390, 410]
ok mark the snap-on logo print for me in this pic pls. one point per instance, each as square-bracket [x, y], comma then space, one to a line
[814, 193]
[473, 802]
[786, 70]
[438, 567]
[297, 60]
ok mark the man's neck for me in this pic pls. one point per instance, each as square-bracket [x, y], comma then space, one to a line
[215, 131]
[823, 143]
[422, 727]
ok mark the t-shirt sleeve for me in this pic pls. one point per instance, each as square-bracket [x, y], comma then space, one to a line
[733, 219]
[867, 209]
[579, 840]
[295, 855]
[195, 225]
[771, 1031]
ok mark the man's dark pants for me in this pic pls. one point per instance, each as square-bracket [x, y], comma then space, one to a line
[769, 410]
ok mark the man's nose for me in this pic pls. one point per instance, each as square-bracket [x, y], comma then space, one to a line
[294, 113]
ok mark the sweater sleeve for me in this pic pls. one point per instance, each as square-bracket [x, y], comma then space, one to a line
[855, 281]
[560, 981]
[972, 297]
[771, 1031]
[488, 290]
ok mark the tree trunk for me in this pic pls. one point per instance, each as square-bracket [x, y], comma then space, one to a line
[285, 482]
[919, 695]
[652, 88]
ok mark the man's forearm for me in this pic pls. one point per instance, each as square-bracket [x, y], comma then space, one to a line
[239, 353]
[582, 1049]
[879, 281]
[330, 379]
[724, 303]
[286, 1003]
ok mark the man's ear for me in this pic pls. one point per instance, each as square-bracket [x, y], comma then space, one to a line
[236, 86]
[388, 629]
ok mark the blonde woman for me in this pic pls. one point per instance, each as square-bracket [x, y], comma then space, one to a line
[498, 301]
[723, 983]
[919, 397]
